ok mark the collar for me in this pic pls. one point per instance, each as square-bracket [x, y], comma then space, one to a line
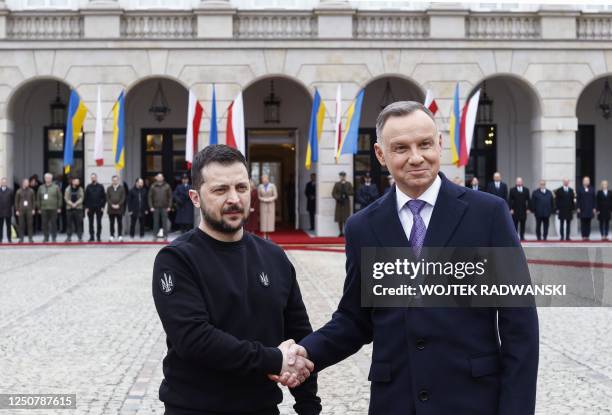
[429, 196]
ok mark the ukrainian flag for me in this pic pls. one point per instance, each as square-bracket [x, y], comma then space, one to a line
[316, 126]
[348, 145]
[454, 127]
[119, 132]
[76, 116]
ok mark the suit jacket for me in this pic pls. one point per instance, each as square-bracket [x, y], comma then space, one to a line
[564, 203]
[585, 201]
[435, 360]
[604, 205]
[519, 202]
[542, 204]
[501, 192]
[479, 188]
[311, 196]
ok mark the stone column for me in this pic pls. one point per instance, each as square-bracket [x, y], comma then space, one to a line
[102, 19]
[447, 21]
[335, 19]
[215, 19]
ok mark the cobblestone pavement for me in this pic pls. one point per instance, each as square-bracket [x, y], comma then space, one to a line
[81, 320]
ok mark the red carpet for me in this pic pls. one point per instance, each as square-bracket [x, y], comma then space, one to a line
[299, 237]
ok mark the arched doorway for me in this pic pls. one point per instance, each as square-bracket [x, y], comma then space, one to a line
[156, 120]
[37, 115]
[593, 144]
[378, 94]
[506, 126]
[277, 114]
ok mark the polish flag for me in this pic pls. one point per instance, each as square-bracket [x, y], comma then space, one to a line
[468, 123]
[430, 102]
[194, 117]
[235, 125]
[99, 132]
[338, 133]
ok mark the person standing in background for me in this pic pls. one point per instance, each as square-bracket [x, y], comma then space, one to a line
[252, 223]
[585, 207]
[184, 207]
[474, 184]
[34, 185]
[342, 193]
[73, 197]
[564, 207]
[542, 206]
[138, 207]
[497, 187]
[267, 204]
[95, 200]
[518, 201]
[604, 206]
[6, 208]
[24, 208]
[115, 198]
[368, 192]
[160, 203]
[49, 203]
[311, 199]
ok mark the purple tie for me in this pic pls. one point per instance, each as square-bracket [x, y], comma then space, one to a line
[417, 234]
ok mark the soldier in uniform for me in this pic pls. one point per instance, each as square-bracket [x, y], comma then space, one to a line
[342, 193]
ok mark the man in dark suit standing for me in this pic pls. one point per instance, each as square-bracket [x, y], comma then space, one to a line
[311, 199]
[477, 361]
[474, 184]
[585, 207]
[518, 200]
[604, 206]
[497, 187]
[564, 207]
[542, 206]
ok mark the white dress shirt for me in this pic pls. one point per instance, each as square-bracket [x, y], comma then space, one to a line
[429, 196]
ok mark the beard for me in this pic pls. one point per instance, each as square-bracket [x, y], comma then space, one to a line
[219, 224]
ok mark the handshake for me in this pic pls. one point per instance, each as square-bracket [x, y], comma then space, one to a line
[296, 366]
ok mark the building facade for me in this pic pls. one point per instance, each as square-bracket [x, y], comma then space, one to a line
[544, 70]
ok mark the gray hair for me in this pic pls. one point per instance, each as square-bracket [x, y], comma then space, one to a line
[48, 175]
[399, 109]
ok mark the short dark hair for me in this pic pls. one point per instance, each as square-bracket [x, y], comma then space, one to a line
[216, 153]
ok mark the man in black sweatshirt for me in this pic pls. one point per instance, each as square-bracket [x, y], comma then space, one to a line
[226, 299]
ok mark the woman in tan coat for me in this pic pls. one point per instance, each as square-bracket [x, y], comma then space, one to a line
[267, 203]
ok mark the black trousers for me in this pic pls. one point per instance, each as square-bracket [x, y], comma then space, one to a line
[115, 217]
[74, 222]
[311, 213]
[97, 214]
[519, 225]
[604, 226]
[141, 219]
[567, 222]
[6, 219]
[585, 227]
[539, 223]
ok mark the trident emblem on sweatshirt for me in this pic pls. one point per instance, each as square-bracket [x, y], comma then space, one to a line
[264, 280]
[167, 285]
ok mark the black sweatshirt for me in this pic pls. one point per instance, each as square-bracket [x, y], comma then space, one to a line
[225, 307]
